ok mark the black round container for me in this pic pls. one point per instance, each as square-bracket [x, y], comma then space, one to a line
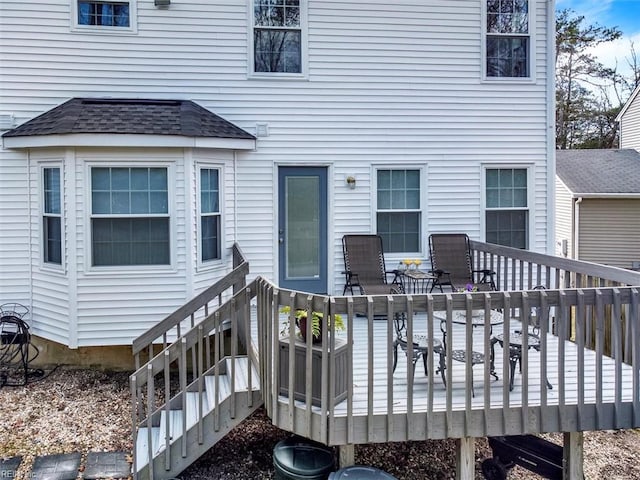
[299, 459]
[358, 472]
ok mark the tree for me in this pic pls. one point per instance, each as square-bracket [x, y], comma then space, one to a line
[579, 112]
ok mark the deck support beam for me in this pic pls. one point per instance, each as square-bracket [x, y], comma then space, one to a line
[346, 455]
[573, 455]
[465, 458]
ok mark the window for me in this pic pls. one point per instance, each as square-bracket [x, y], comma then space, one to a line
[507, 38]
[507, 213]
[210, 240]
[398, 215]
[277, 36]
[52, 216]
[105, 15]
[129, 216]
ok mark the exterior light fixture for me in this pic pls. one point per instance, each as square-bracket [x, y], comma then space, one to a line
[162, 3]
[351, 182]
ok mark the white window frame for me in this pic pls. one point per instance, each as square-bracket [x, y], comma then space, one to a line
[171, 266]
[531, 53]
[44, 214]
[304, 60]
[530, 197]
[100, 29]
[216, 262]
[394, 256]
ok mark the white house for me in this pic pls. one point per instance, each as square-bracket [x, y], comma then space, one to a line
[140, 141]
[629, 120]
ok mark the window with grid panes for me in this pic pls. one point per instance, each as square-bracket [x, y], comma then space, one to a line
[398, 215]
[277, 36]
[210, 217]
[507, 38]
[129, 216]
[507, 211]
[104, 14]
[52, 216]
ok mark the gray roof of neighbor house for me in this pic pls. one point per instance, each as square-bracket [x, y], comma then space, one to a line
[599, 171]
[130, 116]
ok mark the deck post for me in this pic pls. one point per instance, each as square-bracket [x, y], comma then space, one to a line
[465, 458]
[346, 455]
[573, 456]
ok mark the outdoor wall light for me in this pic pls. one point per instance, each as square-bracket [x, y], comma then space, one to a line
[351, 182]
[162, 3]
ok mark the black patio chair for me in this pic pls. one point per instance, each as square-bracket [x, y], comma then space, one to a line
[451, 262]
[364, 267]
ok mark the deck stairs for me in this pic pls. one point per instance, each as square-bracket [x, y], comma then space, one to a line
[194, 427]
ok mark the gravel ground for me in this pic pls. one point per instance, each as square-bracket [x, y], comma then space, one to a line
[88, 410]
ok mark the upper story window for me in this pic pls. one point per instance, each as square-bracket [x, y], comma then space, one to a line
[105, 15]
[277, 36]
[508, 43]
[129, 216]
[398, 215]
[51, 216]
[210, 217]
[507, 207]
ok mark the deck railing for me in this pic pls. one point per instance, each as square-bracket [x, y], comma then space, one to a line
[596, 375]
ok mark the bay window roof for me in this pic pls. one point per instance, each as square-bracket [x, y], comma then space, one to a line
[129, 122]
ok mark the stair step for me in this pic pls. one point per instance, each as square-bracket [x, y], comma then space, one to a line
[175, 428]
[142, 450]
[191, 401]
[241, 374]
[224, 390]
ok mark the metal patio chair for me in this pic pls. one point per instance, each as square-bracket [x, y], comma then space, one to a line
[364, 267]
[451, 262]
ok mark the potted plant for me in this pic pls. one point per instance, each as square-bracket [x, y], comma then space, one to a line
[301, 317]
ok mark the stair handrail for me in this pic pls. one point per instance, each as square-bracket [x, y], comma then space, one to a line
[159, 333]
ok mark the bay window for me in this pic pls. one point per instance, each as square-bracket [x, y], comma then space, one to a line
[507, 210]
[398, 214]
[210, 217]
[52, 216]
[129, 216]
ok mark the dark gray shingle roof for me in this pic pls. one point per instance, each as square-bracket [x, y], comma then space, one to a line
[132, 116]
[599, 171]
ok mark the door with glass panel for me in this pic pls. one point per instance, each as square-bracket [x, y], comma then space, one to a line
[302, 228]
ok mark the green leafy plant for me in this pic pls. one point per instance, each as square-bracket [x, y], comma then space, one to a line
[316, 317]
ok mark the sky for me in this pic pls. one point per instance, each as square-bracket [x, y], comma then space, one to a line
[624, 14]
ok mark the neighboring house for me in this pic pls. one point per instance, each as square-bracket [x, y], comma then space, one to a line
[148, 140]
[598, 206]
[629, 120]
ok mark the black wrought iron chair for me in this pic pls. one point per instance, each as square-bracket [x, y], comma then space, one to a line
[364, 267]
[451, 262]
[516, 340]
[420, 346]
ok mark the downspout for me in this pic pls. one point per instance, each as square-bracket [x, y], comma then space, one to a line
[551, 128]
[576, 226]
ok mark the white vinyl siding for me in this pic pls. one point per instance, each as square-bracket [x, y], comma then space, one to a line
[630, 124]
[609, 230]
[388, 84]
[564, 220]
